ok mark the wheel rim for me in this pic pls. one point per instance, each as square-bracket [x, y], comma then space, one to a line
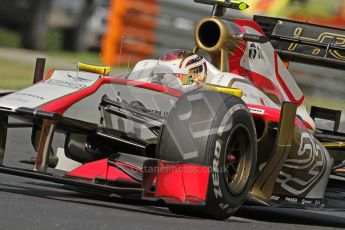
[237, 162]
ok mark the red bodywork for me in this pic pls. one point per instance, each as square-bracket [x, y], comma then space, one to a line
[172, 182]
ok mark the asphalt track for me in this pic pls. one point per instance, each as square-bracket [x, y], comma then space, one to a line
[32, 204]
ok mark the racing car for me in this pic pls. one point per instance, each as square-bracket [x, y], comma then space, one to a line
[204, 130]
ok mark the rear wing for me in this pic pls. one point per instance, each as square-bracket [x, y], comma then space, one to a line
[305, 42]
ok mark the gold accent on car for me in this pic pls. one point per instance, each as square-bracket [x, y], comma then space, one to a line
[334, 145]
[216, 37]
[264, 184]
[339, 40]
[221, 89]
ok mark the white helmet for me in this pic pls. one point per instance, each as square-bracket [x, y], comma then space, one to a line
[181, 69]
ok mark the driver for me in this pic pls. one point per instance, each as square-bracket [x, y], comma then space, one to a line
[180, 69]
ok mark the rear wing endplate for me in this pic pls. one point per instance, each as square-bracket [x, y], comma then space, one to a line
[305, 42]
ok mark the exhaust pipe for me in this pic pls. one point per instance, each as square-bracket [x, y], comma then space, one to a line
[216, 37]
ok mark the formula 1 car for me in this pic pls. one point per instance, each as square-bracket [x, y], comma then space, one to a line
[204, 137]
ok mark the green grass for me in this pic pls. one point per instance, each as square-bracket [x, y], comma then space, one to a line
[17, 66]
[12, 38]
[15, 75]
[325, 102]
[9, 38]
[88, 57]
[315, 8]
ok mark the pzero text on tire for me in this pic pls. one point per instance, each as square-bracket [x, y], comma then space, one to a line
[217, 130]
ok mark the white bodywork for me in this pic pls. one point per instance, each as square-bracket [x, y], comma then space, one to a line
[261, 65]
[60, 84]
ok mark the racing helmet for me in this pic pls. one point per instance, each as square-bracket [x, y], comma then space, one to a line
[181, 69]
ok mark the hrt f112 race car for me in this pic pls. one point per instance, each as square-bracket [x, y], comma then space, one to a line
[204, 137]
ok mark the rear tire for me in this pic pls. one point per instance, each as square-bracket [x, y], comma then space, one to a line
[217, 130]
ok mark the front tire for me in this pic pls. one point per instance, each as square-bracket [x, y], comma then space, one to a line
[217, 130]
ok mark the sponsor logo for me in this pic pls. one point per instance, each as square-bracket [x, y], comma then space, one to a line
[291, 200]
[160, 112]
[304, 201]
[65, 84]
[30, 95]
[255, 51]
[140, 106]
[79, 79]
[257, 111]
[223, 206]
[274, 197]
[215, 170]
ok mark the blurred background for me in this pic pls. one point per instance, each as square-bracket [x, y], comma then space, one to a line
[121, 32]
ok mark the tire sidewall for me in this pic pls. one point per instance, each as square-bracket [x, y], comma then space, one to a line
[224, 112]
[218, 197]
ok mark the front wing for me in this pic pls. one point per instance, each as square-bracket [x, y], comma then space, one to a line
[120, 175]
